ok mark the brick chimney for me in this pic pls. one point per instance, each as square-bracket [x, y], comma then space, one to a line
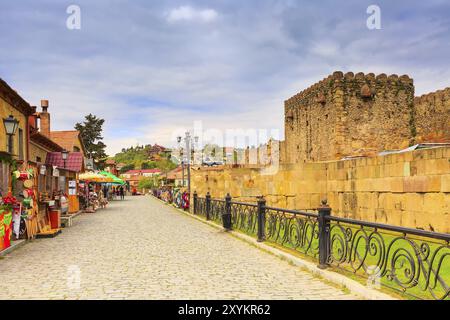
[45, 119]
[32, 120]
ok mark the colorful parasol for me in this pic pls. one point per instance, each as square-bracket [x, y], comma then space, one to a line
[94, 177]
[116, 180]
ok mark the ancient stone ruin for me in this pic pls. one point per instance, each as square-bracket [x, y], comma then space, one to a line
[362, 114]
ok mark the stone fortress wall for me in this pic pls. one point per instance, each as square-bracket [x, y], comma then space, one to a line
[432, 116]
[348, 115]
[334, 131]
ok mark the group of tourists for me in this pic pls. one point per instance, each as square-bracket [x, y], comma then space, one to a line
[97, 195]
[176, 196]
[116, 192]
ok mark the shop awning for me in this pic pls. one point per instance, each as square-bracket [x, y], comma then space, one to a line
[74, 161]
[116, 180]
[95, 177]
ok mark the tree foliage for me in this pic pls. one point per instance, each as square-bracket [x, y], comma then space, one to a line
[148, 183]
[149, 165]
[91, 133]
[127, 167]
[138, 156]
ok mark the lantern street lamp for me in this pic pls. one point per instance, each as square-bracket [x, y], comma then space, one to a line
[64, 155]
[11, 125]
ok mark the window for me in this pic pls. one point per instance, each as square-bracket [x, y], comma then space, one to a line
[20, 144]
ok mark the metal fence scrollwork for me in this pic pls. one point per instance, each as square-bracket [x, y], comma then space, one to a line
[414, 262]
[217, 210]
[293, 229]
[244, 217]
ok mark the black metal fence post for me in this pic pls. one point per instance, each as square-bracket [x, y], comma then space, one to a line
[324, 234]
[261, 219]
[195, 200]
[208, 205]
[226, 216]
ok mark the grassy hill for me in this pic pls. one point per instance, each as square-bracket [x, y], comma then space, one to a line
[138, 157]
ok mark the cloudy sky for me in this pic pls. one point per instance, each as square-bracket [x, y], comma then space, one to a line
[152, 68]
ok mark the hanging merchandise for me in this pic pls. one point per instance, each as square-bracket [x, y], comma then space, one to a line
[28, 184]
[7, 221]
[16, 224]
[23, 174]
[2, 231]
[9, 206]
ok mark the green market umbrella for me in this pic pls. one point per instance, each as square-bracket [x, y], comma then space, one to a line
[116, 180]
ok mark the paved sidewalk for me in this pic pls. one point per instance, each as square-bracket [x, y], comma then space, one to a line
[142, 249]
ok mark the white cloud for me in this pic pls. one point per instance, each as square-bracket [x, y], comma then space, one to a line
[325, 48]
[187, 13]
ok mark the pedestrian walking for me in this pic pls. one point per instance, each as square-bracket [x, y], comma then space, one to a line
[105, 192]
[122, 193]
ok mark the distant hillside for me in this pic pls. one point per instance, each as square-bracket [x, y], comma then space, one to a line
[145, 157]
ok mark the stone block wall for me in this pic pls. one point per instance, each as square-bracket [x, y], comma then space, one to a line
[347, 115]
[409, 189]
[432, 116]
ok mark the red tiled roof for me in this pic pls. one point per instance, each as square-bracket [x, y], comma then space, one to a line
[67, 139]
[74, 161]
[143, 171]
[157, 146]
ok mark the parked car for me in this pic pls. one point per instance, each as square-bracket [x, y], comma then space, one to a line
[209, 163]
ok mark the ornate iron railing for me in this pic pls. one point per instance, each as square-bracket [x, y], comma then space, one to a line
[244, 217]
[414, 262]
[217, 210]
[200, 206]
[297, 230]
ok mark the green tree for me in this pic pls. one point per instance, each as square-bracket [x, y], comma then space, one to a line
[91, 134]
[148, 165]
[147, 183]
[127, 167]
[165, 165]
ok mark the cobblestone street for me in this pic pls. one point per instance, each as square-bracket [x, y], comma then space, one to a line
[143, 249]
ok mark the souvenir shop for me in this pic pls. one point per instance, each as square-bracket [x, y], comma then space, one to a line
[37, 196]
[18, 209]
[53, 186]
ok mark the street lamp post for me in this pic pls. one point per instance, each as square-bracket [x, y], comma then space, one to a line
[64, 155]
[182, 173]
[11, 125]
[189, 142]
